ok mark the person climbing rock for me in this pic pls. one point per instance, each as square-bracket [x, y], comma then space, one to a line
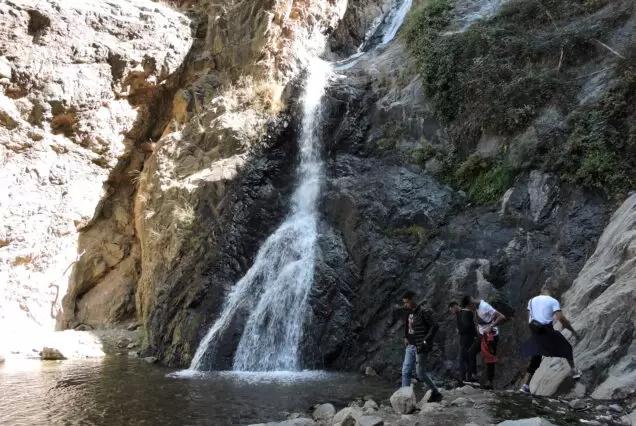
[419, 331]
[487, 320]
[545, 340]
[468, 343]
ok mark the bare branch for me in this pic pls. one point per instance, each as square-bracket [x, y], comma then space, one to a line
[609, 48]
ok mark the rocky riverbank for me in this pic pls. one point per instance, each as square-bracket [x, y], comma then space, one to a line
[468, 406]
[73, 344]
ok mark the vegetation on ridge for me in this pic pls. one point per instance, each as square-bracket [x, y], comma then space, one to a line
[501, 74]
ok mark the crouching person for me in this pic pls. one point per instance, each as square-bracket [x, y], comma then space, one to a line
[545, 340]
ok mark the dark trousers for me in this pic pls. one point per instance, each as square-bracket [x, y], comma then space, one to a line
[467, 356]
[535, 362]
[490, 367]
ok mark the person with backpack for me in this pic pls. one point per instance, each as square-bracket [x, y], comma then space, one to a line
[419, 331]
[487, 321]
[468, 343]
[545, 340]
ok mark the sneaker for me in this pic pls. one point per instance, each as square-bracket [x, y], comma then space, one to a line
[436, 397]
[525, 389]
[576, 374]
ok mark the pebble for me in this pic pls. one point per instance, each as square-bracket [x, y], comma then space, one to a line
[463, 402]
[617, 408]
[370, 372]
[150, 359]
[370, 405]
[577, 404]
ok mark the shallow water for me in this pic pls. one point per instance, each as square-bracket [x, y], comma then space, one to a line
[122, 391]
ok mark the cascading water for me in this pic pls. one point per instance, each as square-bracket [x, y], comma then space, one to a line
[274, 290]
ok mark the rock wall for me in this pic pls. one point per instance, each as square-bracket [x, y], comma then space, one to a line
[601, 304]
[76, 81]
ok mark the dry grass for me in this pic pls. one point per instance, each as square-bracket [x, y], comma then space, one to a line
[65, 124]
[22, 260]
[135, 178]
[262, 95]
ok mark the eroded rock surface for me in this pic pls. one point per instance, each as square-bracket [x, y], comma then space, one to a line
[76, 81]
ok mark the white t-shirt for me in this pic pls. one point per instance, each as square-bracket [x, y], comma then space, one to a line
[485, 317]
[542, 309]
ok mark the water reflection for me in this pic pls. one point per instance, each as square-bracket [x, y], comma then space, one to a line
[119, 391]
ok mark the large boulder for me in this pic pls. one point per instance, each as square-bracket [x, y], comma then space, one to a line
[403, 400]
[324, 412]
[600, 305]
[630, 419]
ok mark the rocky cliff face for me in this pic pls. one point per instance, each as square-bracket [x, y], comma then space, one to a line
[390, 226]
[78, 81]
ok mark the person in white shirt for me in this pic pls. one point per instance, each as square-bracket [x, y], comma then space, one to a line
[545, 340]
[487, 320]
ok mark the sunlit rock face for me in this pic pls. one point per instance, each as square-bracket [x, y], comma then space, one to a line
[75, 82]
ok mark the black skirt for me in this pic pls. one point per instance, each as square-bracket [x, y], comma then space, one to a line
[547, 343]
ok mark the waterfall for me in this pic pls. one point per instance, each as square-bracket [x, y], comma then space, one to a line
[274, 290]
[273, 293]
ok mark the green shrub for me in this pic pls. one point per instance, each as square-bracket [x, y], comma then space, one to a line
[498, 75]
[470, 169]
[425, 152]
[601, 146]
[491, 184]
[392, 135]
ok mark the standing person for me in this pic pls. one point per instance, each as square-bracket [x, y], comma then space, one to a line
[419, 330]
[545, 340]
[468, 342]
[487, 320]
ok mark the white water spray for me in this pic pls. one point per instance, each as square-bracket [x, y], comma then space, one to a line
[274, 290]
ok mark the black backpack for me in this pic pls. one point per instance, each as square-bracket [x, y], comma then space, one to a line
[504, 308]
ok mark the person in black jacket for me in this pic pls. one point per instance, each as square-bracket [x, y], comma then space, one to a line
[468, 343]
[419, 330]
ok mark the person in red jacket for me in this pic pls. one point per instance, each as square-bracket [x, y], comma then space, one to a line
[487, 321]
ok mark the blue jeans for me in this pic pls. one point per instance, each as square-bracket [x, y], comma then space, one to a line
[411, 359]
